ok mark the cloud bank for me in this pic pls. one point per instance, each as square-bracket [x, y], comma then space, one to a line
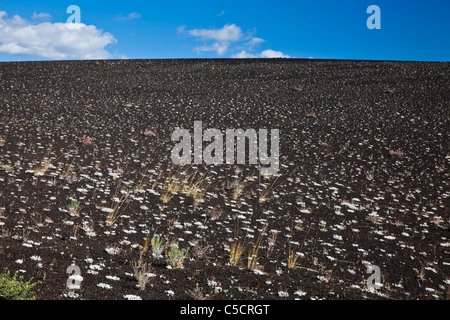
[53, 40]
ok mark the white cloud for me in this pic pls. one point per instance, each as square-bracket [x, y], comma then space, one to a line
[229, 33]
[264, 54]
[221, 38]
[273, 54]
[243, 55]
[254, 41]
[130, 16]
[53, 40]
[231, 37]
[219, 47]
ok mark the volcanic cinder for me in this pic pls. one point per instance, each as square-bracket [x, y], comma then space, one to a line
[86, 177]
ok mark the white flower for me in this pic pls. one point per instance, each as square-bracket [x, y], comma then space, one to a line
[19, 261]
[170, 293]
[71, 294]
[283, 294]
[300, 293]
[112, 251]
[104, 286]
[35, 258]
[132, 297]
[95, 267]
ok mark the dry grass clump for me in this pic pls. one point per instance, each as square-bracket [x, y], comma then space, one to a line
[237, 248]
[43, 167]
[254, 250]
[189, 182]
[292, 259]
[265, 194]
[118, 206]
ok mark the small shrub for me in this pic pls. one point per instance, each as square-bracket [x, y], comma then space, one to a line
[14, 287]
[141, 272]
[157, 244]
[176, 256]
[197, 293]
[199, 251]
[74, 206]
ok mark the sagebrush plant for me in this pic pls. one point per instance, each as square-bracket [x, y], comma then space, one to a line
[6, 167]
[197, 293]
[157, 244]
[141, 273]
[199, 251]
[14, 287]
[141, 269]
[175, 256]
[74, 206]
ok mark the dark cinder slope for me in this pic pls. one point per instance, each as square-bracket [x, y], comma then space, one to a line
[364, 177]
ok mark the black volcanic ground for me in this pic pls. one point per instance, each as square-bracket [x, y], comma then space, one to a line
[364, 177]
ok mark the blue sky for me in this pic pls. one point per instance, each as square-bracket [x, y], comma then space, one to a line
[323, 29]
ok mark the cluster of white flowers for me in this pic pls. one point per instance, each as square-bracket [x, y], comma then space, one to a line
[132, 297]
[104, 286]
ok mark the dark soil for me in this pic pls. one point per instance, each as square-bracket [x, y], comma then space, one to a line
[364, 177]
